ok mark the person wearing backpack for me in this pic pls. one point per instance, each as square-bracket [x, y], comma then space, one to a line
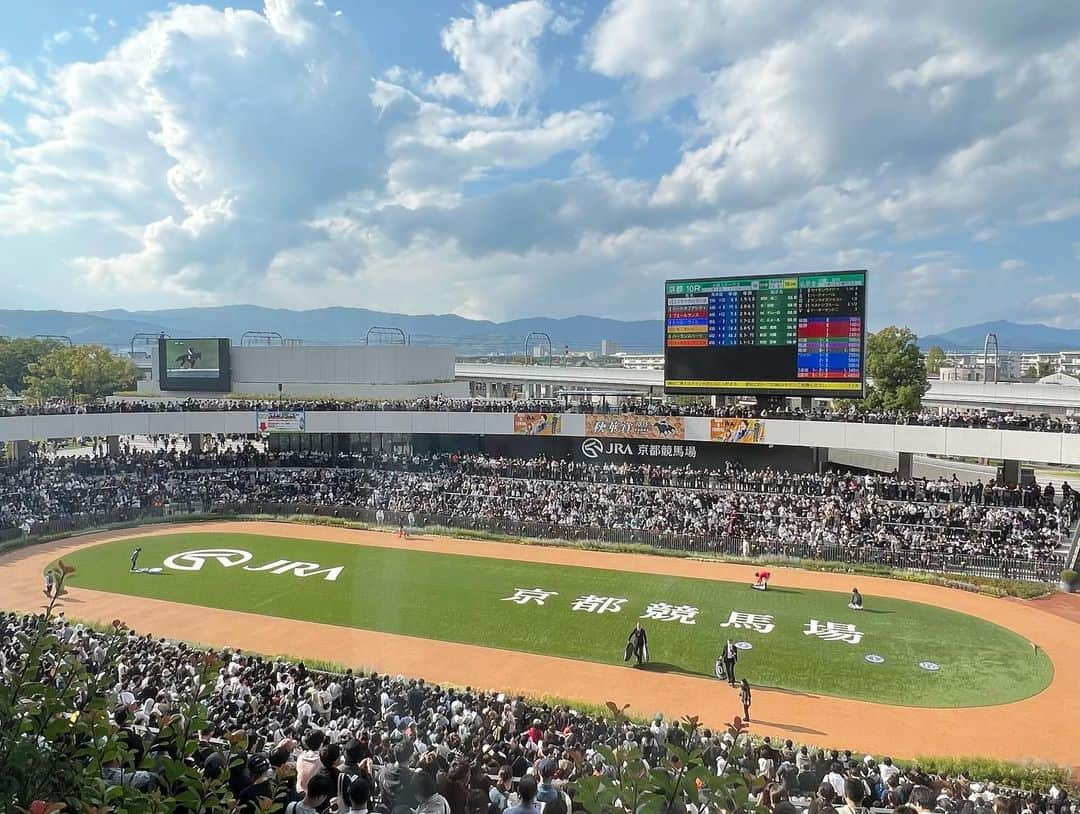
[260, 787]
[319, 789]
[358, 793]
[349, 773]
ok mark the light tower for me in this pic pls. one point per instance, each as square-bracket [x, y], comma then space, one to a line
[991, 340]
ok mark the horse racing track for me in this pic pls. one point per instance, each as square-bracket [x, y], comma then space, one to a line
[906, 675]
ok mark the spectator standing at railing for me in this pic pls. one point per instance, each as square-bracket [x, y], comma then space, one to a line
[527, 798]
[499, 793]
[854, 794]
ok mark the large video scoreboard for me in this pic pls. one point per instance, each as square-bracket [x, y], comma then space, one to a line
[778, 335]
[194, 365]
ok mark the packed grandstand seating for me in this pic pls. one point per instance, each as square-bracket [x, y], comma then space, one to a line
[973, 419]
[835, 515]
[280, 730]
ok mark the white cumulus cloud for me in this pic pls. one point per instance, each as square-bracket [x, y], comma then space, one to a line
[496, 51]
[234, 128]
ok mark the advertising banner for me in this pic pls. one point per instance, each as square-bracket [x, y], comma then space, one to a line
[737, 430]
[594, 449]
[537, 423]
[281, 421]
[652, 428]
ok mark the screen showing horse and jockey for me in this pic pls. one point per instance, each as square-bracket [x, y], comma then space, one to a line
[194, 364]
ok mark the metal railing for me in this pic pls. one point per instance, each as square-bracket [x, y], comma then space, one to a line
[706, 545]
[1072, 559]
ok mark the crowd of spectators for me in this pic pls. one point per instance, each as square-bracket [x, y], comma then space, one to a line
[768, 511]
[974, 419]
[377, 743]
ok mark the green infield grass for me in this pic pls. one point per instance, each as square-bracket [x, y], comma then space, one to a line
[456, 598]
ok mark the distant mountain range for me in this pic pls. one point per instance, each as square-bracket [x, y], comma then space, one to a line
[116, 328]
[1011, 336]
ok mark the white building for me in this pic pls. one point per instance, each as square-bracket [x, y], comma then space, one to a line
[1062, 361]
[961, 373]
[641, 361]
[1009, 365]
[349, 371]
[1032, 361]
[1069, 362]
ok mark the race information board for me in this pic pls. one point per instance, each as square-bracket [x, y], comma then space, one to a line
[792, 334]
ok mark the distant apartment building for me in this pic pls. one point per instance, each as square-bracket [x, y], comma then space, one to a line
[1032, 361]
[973, 367]
[641, 361]
[1069, 362]
[1062, 361]
[608, 347]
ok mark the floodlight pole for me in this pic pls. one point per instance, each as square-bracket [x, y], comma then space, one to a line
[55, 338]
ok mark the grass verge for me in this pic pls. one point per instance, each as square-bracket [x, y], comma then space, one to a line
[988, 586]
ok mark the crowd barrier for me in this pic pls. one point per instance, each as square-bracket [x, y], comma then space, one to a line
[1047, 571]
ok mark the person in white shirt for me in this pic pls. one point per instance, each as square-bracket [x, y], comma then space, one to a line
[659, 730]
[887, 770]
[836, 779]
[304, 712]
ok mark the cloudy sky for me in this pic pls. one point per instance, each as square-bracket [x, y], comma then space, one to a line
[548, 157]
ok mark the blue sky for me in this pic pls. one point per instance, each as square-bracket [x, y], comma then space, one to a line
[544, 157]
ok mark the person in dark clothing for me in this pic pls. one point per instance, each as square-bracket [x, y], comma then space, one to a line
[729, 656]
[453, 786]
[396, 779]
[745, 698]
[358, 794]
[351, 771]
[135, 557]
[260, 774]
[637, 644]
[329, 754]
[129, 737]
[415, 698]
[348, 692]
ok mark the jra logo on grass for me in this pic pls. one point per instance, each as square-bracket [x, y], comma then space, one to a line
[232, 557]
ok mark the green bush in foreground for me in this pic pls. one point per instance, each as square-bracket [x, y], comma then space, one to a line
[59, 749]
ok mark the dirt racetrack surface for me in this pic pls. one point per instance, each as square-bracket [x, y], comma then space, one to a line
[1041, 728]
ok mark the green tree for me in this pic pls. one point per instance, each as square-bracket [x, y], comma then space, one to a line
[16, 356]
[626, 784]
[1038, 371]
[935, 358]
[86, 371]
[57, 741]
[898, 370]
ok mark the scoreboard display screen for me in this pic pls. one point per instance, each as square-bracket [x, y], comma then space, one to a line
[194, 365]
[776, 335]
